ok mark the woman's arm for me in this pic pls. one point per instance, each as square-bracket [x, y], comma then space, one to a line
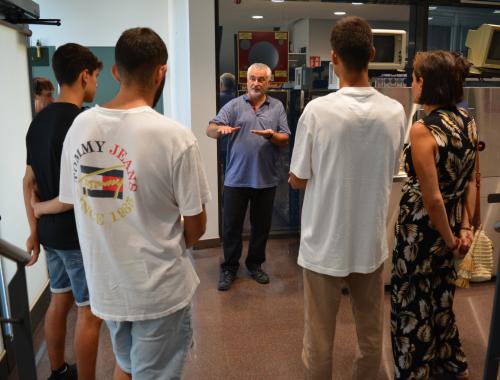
[470, 200]
[469, 209]
[423, 153]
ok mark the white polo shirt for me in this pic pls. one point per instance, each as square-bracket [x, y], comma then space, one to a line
[347, 146]
[131, 174]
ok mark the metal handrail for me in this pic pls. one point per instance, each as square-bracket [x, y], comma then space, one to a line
[14, 253]
[19, 316]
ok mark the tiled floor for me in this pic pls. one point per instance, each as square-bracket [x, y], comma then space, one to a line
[255, 331]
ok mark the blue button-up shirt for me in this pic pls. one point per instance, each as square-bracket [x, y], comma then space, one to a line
[251, 159]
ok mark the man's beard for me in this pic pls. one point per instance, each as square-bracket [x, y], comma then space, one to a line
[158, 93]
[255, 95]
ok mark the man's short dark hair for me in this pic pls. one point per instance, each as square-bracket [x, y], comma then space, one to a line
[228, 81]
[70, 60]
[444, 74]
[41, 84]
[352, 40]
[138, 53]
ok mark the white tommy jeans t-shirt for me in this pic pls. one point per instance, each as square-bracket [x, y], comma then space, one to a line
[347, 146]
[131, 174]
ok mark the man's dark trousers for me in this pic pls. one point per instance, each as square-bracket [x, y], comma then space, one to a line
[236, 201]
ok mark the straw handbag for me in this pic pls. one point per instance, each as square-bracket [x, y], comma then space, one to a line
[482, 246]
[482, 256]
[464, 269]
[477, 265]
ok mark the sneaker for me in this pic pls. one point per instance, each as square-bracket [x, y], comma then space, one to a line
[259, 275]
[226, 278]
[67, 372]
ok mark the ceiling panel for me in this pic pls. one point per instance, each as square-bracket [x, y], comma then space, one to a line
[281, 14]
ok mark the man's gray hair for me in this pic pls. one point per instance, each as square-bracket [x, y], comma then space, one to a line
[260, 66]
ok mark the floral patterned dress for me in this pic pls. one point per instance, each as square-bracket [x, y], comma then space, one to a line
[425, 339]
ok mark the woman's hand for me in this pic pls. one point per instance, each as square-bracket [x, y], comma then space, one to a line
[465, 236]
[456, 248]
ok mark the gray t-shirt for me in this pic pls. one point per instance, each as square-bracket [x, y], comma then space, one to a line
[251, 159]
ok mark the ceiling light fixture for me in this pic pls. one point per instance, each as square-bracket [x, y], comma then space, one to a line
[357, 3]
[257, 17]
[430, 18]
[496, 11]
[340, 13]
[433, 8]
[277, 1]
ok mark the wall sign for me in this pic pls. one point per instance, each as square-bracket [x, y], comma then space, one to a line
[314, 61]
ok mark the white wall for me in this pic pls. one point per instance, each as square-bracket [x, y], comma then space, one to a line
[178, 88]
[98, 22]
[300, 34]
[203, 95]
[319, 39]
[187, 26]
[15, 114]
[191, 89]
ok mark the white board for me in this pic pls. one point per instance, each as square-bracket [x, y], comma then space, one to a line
[15, 117]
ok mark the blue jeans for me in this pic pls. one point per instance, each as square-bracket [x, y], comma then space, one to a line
[66, 274]
[154, 349]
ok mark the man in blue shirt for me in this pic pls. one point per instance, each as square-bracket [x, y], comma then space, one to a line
[226, 94]
[256, 127]
[227, 89]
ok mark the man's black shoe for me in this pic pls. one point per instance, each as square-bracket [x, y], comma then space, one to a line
[226, 277]
[66, 372]
[259, 275]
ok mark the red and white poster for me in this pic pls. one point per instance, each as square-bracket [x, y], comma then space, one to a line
[270, 48]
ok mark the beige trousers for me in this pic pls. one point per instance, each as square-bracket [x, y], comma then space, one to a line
[321, 303]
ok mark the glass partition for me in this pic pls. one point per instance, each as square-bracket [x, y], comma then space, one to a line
[448, 26]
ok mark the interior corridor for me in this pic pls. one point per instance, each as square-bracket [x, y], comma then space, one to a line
[255, 331]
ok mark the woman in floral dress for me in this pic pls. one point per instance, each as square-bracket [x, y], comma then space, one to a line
[433, 225]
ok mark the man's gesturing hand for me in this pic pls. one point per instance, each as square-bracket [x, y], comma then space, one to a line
[227, 130]
[266, 133]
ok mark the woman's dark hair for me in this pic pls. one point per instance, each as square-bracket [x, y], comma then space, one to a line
[70, 60]
[444, 74]
[352, 40]
[137, 54]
